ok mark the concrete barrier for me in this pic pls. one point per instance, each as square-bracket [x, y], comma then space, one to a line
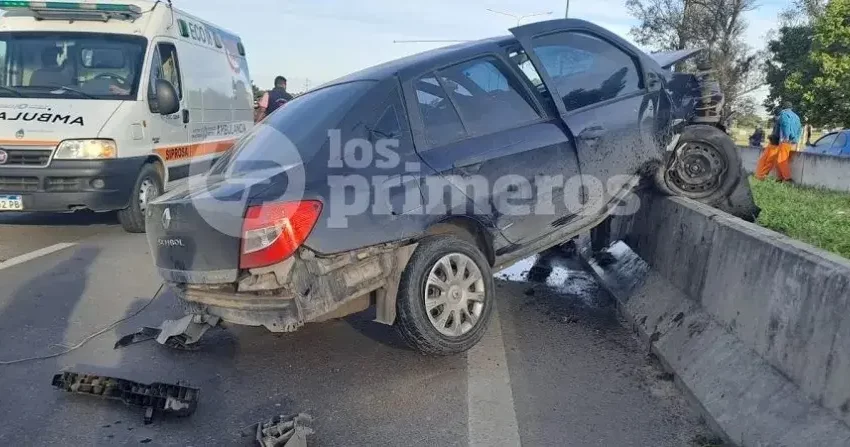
[816, 170]
[755, 325]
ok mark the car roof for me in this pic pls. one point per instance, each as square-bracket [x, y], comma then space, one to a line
[425, 59]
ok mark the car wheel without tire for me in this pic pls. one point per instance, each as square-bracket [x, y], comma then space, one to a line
[706, 166]
[148, 186]
[446, 296]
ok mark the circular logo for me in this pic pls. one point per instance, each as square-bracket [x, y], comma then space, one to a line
[19, 134]
[4, 157]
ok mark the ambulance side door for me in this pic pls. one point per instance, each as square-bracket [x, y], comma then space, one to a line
[169, 133]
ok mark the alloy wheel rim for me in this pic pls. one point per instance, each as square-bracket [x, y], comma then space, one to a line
[454, 295]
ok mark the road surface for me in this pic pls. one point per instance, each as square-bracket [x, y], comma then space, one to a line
[556, 367]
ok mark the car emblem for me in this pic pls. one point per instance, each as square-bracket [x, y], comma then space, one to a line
[4, 157]
[166, 219]
[19, 134]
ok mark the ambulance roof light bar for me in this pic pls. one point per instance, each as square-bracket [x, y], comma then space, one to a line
[73, 11]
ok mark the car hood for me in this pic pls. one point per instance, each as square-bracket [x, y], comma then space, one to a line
[53, 120]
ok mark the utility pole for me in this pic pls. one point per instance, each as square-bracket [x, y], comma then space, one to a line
[567, 12]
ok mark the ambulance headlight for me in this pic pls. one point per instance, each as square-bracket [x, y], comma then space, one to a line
[86, 150]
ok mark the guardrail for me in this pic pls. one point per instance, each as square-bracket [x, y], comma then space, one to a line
[809, 169]
[755, 325]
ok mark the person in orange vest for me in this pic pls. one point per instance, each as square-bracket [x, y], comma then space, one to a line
[787, 131]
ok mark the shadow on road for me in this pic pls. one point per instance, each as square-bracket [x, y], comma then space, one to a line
[34, 322]
[77, 219]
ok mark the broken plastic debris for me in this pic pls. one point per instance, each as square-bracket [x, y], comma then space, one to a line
[285, 431]
[163, 398]
[179, 334]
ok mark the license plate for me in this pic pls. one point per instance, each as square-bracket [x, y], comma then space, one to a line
[11, 203]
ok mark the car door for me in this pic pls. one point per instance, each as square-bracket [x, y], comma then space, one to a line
[597, 85]
[501, 151]
[169, 133]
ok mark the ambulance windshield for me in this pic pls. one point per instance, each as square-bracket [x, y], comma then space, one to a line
[70, 65]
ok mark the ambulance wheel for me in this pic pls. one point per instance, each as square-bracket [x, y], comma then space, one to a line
[445, 297]
[148, 186]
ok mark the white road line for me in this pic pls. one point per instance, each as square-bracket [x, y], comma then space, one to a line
[491, 415]
[34, 254]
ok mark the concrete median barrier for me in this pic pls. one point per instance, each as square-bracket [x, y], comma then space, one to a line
[808, 169]
[755, 325]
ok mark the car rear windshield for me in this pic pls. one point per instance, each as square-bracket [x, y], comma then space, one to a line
[294, 133]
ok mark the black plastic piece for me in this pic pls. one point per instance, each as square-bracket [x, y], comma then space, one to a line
[177, 400]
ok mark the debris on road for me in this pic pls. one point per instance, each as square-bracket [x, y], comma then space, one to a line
[163, 398]
[285, 431]
[178, 334]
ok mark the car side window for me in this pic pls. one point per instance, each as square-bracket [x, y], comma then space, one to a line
[387, 125]
[165, 66]
[825, 142]
[441, 121]
[840, 141]
[586, 69]
[487, 97]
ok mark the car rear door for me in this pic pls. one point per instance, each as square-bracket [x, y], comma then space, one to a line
[597, 85]
[481, 129]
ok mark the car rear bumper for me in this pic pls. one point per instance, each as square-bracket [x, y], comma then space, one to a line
[304, 288]
[69, 185]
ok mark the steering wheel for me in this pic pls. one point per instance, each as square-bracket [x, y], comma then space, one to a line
[114, 77]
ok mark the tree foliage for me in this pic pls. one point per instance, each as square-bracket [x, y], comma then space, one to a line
[788, 67]
[716, 25]
[257, 92]
[828, 95]
[809, 64]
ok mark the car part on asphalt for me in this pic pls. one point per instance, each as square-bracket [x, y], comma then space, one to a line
[178, 334]
[285, 431]
[163, 398]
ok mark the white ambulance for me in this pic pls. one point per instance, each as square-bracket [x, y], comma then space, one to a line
[102, 103]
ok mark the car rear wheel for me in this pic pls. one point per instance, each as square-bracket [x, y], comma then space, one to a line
[148, 186]
[445, 297]
[705, 167]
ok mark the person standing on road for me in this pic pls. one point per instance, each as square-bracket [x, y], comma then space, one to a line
[786, 134]
[273, 99]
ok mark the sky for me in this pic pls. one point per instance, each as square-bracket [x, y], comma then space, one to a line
[315, 41]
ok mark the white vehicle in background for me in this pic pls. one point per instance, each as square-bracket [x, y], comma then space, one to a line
[102, 104]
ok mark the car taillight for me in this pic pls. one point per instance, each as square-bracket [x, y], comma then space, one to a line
[273, 231]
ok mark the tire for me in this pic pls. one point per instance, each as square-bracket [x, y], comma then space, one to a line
[704, 147]
[419, 327]
[132, 218]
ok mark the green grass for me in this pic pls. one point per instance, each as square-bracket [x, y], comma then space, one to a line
[815, 216]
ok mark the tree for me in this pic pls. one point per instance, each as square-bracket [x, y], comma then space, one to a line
[827, 96]
[789, 68]
[746, 115]
[257, 92]
[716, 25]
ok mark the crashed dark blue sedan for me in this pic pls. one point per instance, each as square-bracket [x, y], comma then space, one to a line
[404, 186]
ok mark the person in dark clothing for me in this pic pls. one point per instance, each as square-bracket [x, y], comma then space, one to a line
[757, 137]
[273, 99]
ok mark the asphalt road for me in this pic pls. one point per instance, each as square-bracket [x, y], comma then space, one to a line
[556, 368]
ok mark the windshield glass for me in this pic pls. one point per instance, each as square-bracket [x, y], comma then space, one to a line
[73, 65]
[304, 122]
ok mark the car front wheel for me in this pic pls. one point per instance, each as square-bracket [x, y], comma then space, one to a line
[445, 297]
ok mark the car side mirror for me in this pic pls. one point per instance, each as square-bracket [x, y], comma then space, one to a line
[165, 101]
